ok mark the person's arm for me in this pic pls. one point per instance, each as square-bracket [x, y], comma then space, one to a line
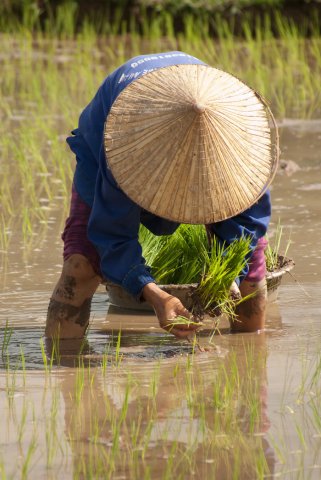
[113, 228]
[252, 223]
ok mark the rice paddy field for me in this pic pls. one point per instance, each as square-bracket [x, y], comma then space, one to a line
[130, 401]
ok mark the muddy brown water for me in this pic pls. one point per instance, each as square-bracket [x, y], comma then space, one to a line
[290, 427]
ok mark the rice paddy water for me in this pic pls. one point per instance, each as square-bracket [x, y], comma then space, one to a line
[131, 401]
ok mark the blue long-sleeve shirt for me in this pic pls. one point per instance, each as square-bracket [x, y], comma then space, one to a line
[114, 221]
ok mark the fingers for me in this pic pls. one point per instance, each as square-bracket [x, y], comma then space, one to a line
[182, 330]
[183, 311]
[176, 319]
[179, 333]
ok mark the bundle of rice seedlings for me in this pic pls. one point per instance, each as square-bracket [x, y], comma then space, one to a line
[223, 265]
[186, 257]
[178, 258]
[272, 253]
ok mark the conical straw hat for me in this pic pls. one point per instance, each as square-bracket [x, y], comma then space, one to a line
[191, 144]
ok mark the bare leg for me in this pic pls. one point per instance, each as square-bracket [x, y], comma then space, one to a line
[69, 307]
[251, 313]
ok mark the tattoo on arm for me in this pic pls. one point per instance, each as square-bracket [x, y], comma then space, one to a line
[59, 312]
[67, 288]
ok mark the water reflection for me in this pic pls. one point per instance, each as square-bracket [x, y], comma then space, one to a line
[189, 431]
[201, 416]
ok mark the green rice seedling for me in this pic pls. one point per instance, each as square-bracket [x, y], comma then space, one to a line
[105, 358]
[118, 354]
[147, 435]
[176, 258]
[155, 381]
[23, 365]
[4, 234]
[22, 361]
[32, 447]
[11, 379]
[316, 375]
[80, 380]
[186, 257]
[22, 421]
[273, 250]
[190, 391]
[43, 355]
[181, 320]
[300, 434]
[224, 264]
[168, 474]
[314, 405]
[55, 356]
[52, 437]
[2, 470]
[7, 334]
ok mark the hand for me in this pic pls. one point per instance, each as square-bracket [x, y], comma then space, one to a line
[167, 309]
[168, 313]
[235, 293]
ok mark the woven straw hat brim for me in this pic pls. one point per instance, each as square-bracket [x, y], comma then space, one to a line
[190, 143]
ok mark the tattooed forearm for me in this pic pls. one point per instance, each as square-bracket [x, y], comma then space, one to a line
[62, 312]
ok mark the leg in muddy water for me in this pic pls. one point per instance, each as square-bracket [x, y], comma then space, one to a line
[251, 313]
[69, 307]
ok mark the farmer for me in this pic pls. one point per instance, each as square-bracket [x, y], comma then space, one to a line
[166, 140]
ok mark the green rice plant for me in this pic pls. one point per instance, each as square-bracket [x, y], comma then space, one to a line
[7, 334]
[105, 358]
[201, 420]
[22, 423]
[32, 447]
[273, 250]
[51, 434]
[186, 257]
[301, 437]
[50, 353]
[4, 235]
[43, 355]
[23, 365]
[223, 265]
[118, 354]
[11, 380]
[80, 380]
[181, 320]
[182, 257]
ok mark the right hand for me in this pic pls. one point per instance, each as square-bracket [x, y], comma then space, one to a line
[167, 309]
